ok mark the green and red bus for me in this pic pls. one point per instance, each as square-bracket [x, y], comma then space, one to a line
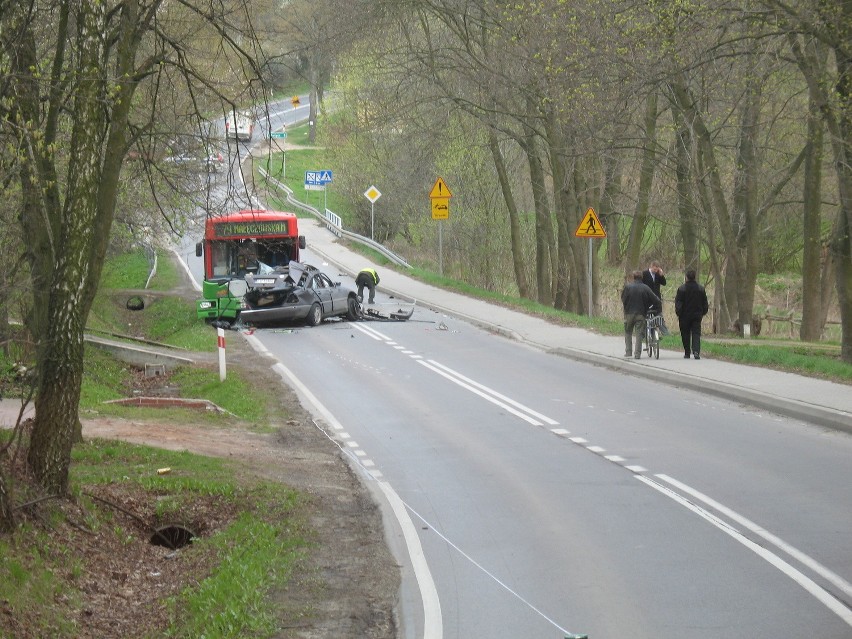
[237, 244]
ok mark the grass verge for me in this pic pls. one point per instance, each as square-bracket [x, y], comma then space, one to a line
[64, 553]
[249, 536]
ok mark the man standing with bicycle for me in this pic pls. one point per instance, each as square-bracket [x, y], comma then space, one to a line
[654, 277]
[637, 298]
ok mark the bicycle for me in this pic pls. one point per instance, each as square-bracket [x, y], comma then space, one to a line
[653, 322]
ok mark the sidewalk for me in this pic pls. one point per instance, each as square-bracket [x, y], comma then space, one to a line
[812, 400]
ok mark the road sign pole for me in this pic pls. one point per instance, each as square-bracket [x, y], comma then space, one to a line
[441, 246]
[591, 300]
[373, 221]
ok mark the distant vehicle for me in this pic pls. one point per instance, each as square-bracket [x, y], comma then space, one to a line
[214, 162]
[194, 152]
[235, 245]
[296, 292]
[240, 126]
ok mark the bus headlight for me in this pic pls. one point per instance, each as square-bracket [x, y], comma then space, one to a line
[205, 305]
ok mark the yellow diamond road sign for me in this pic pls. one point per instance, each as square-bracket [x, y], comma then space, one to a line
[372, 194]
[590, 226]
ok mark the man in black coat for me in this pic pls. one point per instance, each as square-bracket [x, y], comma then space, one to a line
[691, 306]
[636, 298]
[654, 277]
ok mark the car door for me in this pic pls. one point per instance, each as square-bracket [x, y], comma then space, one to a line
[323, 290]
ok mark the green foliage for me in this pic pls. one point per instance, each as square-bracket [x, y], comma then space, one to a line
[235, 394]
[793, 358]
[254, 557]
[253, 554]
[104, 379]
[293, 175]
[173, 321]
[127, 270]
[106, 461]
[30, 580]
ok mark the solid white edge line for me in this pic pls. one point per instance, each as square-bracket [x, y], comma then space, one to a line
[433, 623]
[491, 391]
[779, 543]
[819, 593]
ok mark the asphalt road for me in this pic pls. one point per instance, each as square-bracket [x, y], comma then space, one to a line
[551, 496]
[533, 495]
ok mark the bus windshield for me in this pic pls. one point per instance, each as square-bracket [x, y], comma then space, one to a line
[239, 243]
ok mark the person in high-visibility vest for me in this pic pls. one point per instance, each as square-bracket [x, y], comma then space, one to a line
[370, 278]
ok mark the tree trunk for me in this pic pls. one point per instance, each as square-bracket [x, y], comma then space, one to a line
[745, 203]
[518, 252]
[715, 198]
[685, 207]
[646, 180]
[813, 318]
[543, 229]
[97, 147]
[609, 216]
[838, 121]
[572, 268]
[7, 515]
[842, 145]
[562, 201]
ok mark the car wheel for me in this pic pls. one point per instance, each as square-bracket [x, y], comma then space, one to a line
[315, 315]
[353, 312]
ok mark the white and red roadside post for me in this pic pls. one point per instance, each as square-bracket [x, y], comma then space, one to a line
[220, 338]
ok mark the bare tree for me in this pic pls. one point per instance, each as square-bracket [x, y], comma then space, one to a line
[78, 70]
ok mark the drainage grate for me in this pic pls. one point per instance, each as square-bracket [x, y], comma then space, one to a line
[173, 536]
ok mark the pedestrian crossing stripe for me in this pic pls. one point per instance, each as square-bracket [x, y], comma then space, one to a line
[590, 226]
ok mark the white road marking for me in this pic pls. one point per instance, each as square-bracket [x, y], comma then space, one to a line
[483, 395]
[491, 391]
[819, 593]
[433, 624]
[779, 543]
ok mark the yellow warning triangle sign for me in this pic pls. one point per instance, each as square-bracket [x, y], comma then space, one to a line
[590, 226]
[440, 189]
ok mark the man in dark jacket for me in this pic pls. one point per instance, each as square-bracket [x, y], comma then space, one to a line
[691, 306]
[637, 298]
[370, 278]
[654, 277]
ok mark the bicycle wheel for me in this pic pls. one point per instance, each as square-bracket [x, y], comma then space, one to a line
[655, 344]
[648, 341]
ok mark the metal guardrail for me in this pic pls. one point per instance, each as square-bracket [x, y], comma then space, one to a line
[333, 223]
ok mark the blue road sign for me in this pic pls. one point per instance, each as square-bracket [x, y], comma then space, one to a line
[317, 178]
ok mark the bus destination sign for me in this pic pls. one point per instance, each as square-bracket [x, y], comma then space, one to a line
[252, 229]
